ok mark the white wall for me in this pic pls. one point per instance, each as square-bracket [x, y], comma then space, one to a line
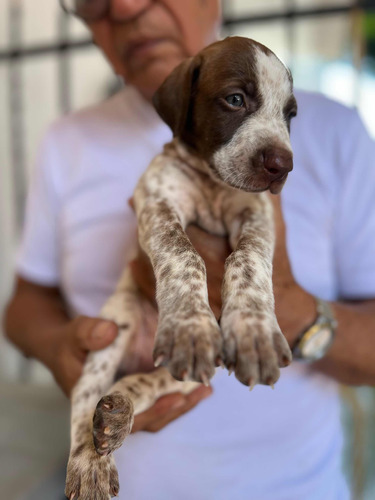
[40, 103]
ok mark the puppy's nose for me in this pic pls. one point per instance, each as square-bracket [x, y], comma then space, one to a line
[277, 162]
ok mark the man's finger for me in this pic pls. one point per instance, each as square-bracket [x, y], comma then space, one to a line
[94, 334]
[200, 393]
[168, 408]
[162, 406]
[191, 400]
[131, 203]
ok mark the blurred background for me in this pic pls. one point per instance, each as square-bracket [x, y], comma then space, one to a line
[48, 67]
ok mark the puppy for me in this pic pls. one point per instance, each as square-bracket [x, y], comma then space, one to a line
[230, 109]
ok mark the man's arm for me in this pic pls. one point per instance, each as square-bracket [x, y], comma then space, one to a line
[36, 321]
[351, 358]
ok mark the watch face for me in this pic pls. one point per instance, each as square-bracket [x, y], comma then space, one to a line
[317, 344]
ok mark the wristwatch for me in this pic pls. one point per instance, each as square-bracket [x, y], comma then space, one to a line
[314, 342]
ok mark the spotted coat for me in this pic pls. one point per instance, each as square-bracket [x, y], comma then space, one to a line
[229, 108]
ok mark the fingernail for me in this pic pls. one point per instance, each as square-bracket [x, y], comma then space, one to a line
[100, 330]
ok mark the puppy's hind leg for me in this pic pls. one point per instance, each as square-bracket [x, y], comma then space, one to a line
[87, 471]
[131, 395]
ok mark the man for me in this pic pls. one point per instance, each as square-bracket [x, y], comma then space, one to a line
[282, 444]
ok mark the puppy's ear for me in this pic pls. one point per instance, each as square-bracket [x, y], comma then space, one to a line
[174, 99]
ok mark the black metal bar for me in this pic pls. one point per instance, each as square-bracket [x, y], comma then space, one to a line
[290, 33]
[17, 138]
[63, 67]
[38, 50]
[16, 115]
[297, 14]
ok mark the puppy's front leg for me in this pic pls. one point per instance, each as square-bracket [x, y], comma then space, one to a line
[254, 346]
[188, 338]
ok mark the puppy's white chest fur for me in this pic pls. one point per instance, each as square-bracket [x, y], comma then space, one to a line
[184, 180]
[209, 199]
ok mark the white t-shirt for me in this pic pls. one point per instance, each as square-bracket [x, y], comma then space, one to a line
[284, 444]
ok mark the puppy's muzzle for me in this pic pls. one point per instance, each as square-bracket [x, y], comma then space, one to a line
[276, 162]
[273, 165]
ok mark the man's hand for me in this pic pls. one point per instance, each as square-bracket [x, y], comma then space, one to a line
[168, 408]
[76, 339]
[36, 321]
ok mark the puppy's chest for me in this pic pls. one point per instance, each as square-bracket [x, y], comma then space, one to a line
[198, 197]
[210, 200]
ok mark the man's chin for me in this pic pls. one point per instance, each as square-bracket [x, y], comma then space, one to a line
[148, 74]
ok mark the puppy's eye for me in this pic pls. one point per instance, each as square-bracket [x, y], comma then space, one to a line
[292, 114]
[235, 100]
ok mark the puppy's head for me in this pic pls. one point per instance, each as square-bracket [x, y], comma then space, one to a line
[232, 105]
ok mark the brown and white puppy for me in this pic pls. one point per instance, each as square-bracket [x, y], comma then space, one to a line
[229, 108]
[232, 105]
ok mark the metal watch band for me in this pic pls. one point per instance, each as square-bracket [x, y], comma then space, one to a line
[325, 310]
[324, 320]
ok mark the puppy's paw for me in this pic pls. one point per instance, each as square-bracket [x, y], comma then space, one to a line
[113, 420]
[190, 347]
[90, 476]
[254, 347]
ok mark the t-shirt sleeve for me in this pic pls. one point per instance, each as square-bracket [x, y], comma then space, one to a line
[355, 220]
[38, 254]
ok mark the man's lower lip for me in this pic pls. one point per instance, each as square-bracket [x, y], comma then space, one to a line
[142, 48]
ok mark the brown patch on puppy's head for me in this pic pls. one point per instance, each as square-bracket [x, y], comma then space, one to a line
[232, 105]
[174, 99]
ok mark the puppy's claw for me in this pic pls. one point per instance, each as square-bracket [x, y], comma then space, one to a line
[251, 384]
[205, 379]
[219, 362]
[286, 361]
[230, 370]
[270, 382]
[159, 360]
